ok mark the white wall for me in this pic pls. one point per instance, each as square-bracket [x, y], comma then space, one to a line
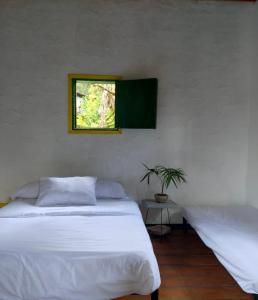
[252, 175]
[199, 52]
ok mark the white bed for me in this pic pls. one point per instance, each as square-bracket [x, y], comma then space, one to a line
[232, 234]
[75, 253]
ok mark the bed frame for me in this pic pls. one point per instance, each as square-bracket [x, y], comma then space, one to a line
[186, 226]
[155, 295]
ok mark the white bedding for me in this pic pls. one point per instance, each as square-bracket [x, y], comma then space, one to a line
[75, 253]
[232, 234]
[108, 207]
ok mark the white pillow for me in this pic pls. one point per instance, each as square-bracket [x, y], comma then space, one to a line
[68, 191]
[106, 188]
[27, 191]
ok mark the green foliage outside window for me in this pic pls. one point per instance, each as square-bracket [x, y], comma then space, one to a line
[95, 104]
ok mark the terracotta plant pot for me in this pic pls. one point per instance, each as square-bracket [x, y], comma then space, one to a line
[161, 198]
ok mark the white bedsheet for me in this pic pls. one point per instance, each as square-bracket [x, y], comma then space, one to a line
[232, 234]
[78, 253]
[108, 207]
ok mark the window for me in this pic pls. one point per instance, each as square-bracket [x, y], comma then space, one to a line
[92, 104]
[105, 104]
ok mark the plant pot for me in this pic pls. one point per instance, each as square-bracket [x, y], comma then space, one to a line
[161, 198]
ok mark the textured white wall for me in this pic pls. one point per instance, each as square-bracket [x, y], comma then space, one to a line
[198, 51]
[252, 175]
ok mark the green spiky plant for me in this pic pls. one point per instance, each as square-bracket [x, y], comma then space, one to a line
[165, 175]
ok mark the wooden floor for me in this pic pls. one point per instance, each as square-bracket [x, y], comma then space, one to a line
[190, 271]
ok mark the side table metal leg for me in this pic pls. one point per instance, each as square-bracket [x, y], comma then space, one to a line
[161, 221]
[168, 218]
[146, 217]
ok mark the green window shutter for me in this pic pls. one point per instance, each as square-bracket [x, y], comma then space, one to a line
[136, 103]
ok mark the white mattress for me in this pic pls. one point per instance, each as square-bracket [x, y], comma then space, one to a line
[66, 253]
[232, 234]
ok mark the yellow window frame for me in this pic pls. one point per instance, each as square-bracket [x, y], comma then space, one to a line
[71, 130]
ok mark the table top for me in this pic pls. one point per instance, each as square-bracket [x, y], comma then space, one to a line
[150, 203]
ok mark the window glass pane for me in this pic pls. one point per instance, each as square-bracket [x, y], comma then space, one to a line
[94, 104]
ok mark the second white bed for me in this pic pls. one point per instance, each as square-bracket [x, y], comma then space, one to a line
[232, 233]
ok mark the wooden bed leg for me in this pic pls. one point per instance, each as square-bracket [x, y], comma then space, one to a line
[155, 295]
[255, 296]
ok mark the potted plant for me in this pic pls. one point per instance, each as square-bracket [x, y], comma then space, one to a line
[166, 177]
